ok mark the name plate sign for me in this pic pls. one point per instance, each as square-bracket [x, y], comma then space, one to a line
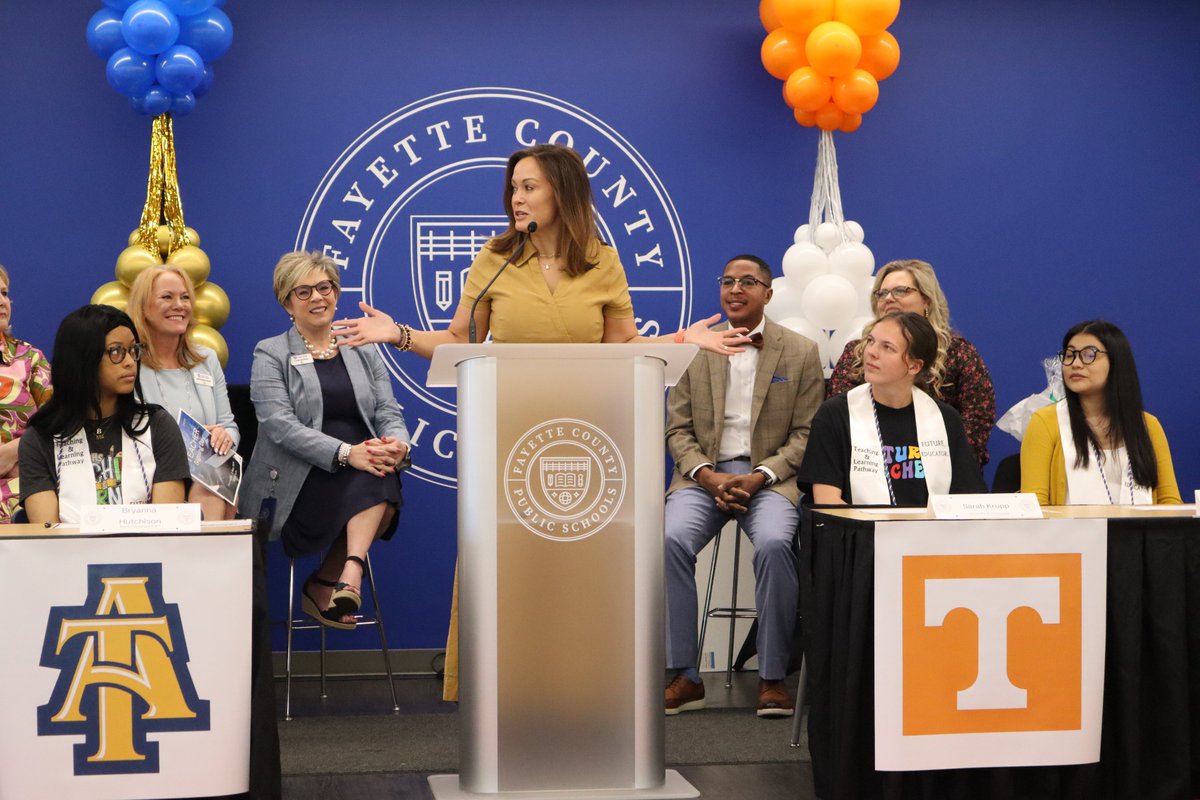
[985, 506]
[141, 518]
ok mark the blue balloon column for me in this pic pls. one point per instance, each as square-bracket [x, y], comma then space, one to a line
[160, 52]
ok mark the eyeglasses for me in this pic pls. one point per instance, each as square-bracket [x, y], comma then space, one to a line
[898, 292]
[304, 292]
[1086, 355]
[746, 282]
[117, 352]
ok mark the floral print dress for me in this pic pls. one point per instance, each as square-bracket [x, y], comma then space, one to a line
[24, 387]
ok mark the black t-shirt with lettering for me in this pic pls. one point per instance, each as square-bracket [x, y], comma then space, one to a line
[827, 457]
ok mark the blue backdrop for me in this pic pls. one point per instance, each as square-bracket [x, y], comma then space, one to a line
[1042, 155]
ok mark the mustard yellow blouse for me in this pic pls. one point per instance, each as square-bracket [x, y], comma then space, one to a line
[525, 311]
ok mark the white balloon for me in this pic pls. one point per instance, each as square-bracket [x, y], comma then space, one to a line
[803, 262]
[803, 234]
[805, 328]
[855, 232]
[866, 307]
[827, 236]
[830, 301]
[784, 302]
[850, 332]
[852, 260]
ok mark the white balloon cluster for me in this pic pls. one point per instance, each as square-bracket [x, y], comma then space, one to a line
[825, 291]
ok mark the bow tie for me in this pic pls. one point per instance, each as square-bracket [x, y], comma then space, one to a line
[756, 340]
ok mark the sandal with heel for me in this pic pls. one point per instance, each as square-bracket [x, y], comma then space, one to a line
[329, 617]
[347, 598]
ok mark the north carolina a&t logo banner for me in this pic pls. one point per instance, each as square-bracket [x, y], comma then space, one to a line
[123, 666]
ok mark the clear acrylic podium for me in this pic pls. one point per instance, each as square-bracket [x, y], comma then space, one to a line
[561, 464]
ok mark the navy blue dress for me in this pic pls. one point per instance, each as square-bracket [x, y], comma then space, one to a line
[328, 500]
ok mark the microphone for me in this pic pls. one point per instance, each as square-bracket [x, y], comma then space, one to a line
[507, 261]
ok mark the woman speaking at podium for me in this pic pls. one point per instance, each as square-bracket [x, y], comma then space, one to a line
[1097, 446]
[547, 279]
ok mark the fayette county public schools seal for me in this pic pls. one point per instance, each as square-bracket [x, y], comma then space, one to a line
[564, 479]
[404, 210]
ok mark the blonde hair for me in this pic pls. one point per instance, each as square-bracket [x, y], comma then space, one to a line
[936, 311]
[295, 265]
[4, 275]
[139, 298]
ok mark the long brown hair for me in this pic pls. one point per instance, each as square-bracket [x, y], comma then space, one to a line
[568, 179]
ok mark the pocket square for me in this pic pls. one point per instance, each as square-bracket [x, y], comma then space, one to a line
[778, 379]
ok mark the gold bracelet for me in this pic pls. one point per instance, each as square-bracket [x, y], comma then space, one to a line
[406, 342]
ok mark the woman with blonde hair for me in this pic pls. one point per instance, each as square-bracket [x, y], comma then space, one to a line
[958, 375]
[178, 374]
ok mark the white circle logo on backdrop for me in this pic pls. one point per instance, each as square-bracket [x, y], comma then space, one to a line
[564, 479]
[406, 207]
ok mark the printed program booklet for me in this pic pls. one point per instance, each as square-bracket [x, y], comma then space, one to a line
[220, 473]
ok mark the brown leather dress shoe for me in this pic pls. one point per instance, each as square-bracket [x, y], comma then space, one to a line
[684, 695]
[774, 699]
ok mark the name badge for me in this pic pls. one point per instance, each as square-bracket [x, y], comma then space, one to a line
[302, 358]
[985, 506]
[140, 518]
[202, 378]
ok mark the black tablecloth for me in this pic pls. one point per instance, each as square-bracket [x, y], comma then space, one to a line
[1150, 743]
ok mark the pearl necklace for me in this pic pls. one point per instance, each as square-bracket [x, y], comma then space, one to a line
[324, 354]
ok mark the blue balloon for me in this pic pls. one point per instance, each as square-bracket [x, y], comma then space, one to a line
[205, 83]
[182, 104]
[185, 7]
[209, 33]
[104, 33]
[179, 69]
[150, 27]
[130, 72]
[157, 101]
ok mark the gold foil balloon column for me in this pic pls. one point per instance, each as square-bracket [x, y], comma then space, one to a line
[162, 238]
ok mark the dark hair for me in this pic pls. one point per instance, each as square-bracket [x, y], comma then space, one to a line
[764, 268]
[75, 369]
[922, 342]
[1122, 405]
[568, 179]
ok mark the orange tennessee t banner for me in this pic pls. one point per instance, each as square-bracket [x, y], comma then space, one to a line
[989, 643]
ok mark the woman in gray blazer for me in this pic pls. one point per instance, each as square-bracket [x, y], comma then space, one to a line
[331, 441]
[177, 374]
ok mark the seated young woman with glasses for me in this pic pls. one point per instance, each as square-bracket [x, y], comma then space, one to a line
[1097, 446]
[959, 376]
[95, 442]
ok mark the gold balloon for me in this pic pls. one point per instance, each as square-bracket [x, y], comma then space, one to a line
[163, 238]
[207, 337]
[211, 306]
[193, 237]
[113, 293]
[193, 261]
[132, 261]
[134, 237]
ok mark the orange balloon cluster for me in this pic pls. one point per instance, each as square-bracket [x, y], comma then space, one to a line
[830, 55]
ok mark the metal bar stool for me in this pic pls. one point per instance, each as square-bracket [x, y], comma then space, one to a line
[732, 612]
[305, 623]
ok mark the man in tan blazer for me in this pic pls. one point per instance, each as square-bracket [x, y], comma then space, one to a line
[737, 428]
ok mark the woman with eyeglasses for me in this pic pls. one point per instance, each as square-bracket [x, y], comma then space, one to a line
[1097, 446]
[24, 387]
[331, 442]
[178, 374]
[958, 375]
[96, 442]
[887, 441]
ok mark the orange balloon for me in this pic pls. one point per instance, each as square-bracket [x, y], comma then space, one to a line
[767, 16]
[851, 123]
[783, 53]
[801, 16]
[805, 118]
[807, 89]
[830, 117]
[880, 55]
[866, 17]
[833, 49]
[855, 93]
